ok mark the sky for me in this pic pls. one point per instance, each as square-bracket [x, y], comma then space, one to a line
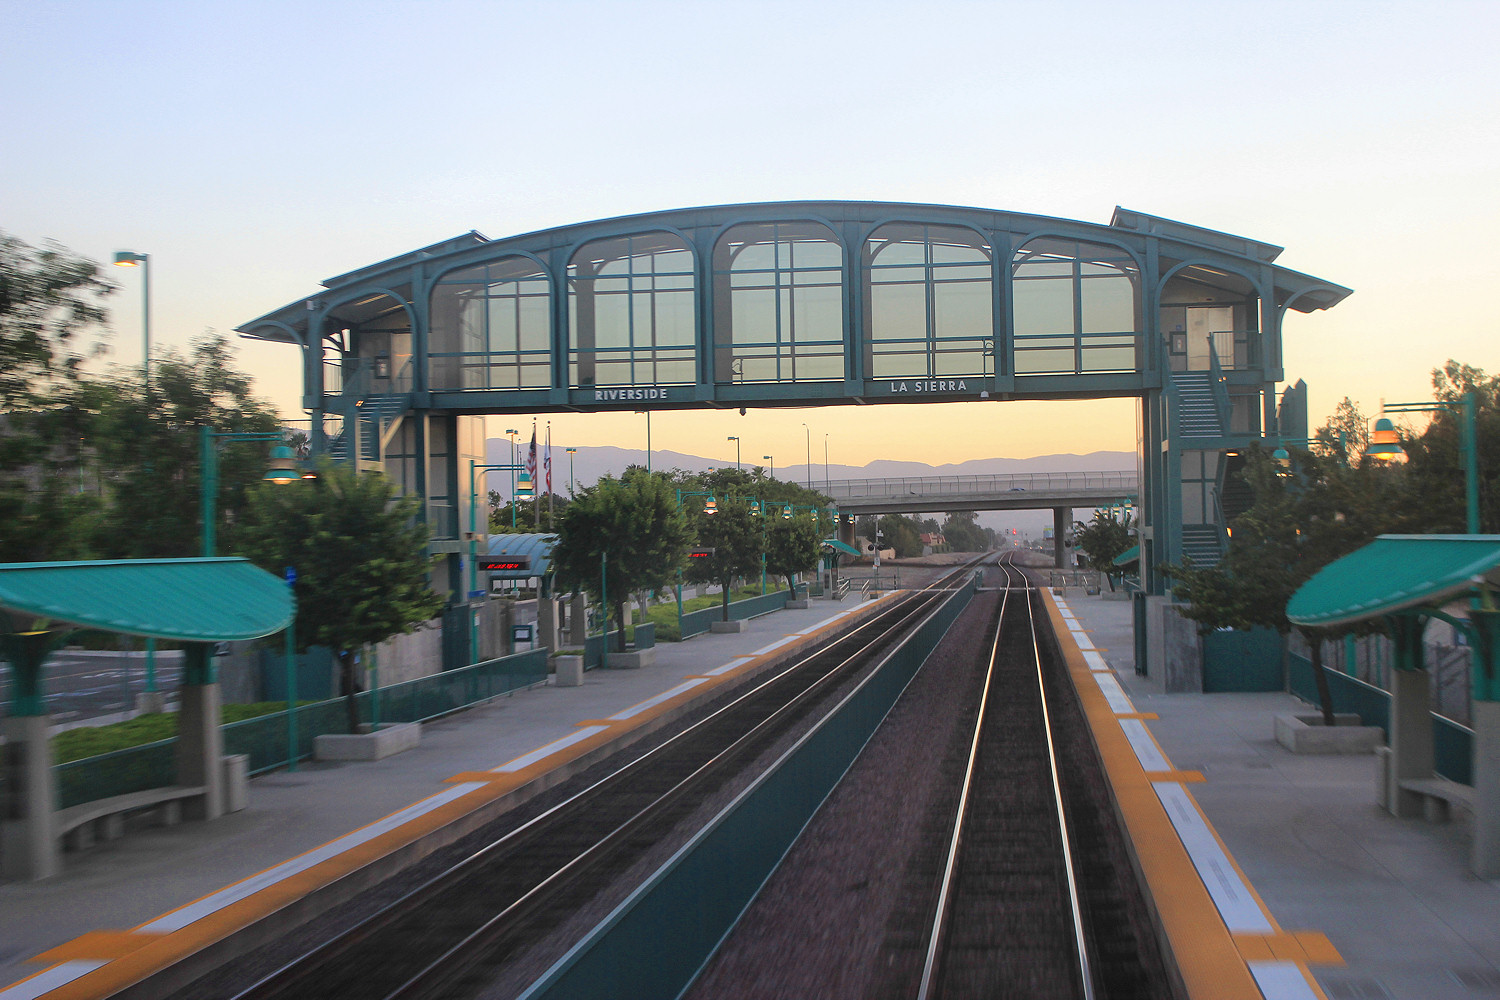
[254, 149]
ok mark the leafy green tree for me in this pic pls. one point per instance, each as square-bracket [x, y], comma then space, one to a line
[1103, 539]
[1435, 470]
[632, 530]
[735, 536]
[1298, 523]
[360, 553]
[963, 532]
[150, 444]
[524, 513]
[49, 300]
[791, 547]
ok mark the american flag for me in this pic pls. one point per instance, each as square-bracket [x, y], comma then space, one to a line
[531, 456]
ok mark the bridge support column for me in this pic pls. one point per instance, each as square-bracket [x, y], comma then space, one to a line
[1062, 522]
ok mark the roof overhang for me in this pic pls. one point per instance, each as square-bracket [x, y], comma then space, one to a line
[191, 600]
[834, 545]
[1396, 574]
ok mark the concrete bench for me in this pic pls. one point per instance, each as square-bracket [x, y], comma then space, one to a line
[104, 819]
[1438, 794]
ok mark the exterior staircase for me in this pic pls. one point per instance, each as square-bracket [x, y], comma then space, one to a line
[1200, 543]
[1198, 411]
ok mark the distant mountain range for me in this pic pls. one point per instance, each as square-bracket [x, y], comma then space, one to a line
[589, 464]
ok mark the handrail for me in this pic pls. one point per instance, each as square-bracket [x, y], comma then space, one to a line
[1216, 385]
[1114, 482]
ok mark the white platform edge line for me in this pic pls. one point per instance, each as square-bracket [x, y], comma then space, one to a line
[1239, 909]
[543, 752]
[214, 902]
[650, 703]
[1281, 981]
[1146, 751]
[54, 978]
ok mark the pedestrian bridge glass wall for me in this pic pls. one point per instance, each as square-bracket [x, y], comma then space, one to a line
[934, 301]
[630, 312]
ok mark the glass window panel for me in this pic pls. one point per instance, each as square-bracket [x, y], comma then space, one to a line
[1043, 362]
[674, 320]
[754, 316]
[1108, 305]
[1044, 306]
[611, 322]
[970, 362]
[751, 257]
[1043, 267]
[887, 253]
[960, 272]
[898, 311]
[891, 275]
[643, 302]
[480, 316]
[813, 252]
[1108, 359]
[962, 310]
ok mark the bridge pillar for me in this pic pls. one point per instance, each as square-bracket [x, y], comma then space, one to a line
[1062, 522]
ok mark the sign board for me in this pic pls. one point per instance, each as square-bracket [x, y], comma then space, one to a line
[520, 633]
[498, 563]
[700, 553]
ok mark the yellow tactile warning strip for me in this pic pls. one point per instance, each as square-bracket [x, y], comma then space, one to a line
[101, 963]
[1222, 938]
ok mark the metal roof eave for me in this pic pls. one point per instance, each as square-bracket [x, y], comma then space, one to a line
[191, 600]
[1396, 574]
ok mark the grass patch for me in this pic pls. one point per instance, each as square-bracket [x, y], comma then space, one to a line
[90, 741]
[665, 615]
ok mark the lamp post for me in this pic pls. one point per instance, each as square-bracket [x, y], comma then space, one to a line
[129, 258]
[809, 455]
[512, 432]
[282, 469]
[648, 438]
[571, 452]
[1465, 410]
[825, 462]
[736, 451]
[768, 458]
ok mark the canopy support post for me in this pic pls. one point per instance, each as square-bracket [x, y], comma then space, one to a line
[1411, 716]
[1485, 630]
[200, 741]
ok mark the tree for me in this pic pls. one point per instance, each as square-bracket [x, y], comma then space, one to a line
[734, 534]
[360, 553]
[1103, 539]
[963, 533]
[48, 300]
[791, 547]
[1298, 523]
[150, 443]
[630, 529]
[1434, 468]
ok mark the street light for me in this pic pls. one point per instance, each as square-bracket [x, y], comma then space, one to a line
[809, 456]
[648, 438]
[512, 432]
[768, 458]
[571, 452]
[736, 451]
[129, 258]
[1385, 438]
[825, 462]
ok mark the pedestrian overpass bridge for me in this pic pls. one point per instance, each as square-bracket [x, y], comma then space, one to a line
[1019, 491]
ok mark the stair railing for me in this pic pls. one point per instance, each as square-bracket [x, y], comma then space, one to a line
[1216, 385]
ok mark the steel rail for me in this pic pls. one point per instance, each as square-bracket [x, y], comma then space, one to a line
[937, 938]
[300, 974]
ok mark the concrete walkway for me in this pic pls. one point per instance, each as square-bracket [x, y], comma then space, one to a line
[1394, 896]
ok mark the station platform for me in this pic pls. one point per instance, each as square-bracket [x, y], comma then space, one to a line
[125, 909]
[1320, 892]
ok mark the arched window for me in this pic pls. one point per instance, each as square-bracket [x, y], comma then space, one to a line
[492, 327]
[778, 303]
[630, 312]
[1076, 307]
[928, 302]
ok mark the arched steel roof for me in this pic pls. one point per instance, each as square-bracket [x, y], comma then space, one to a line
[537, 546]
[1145, 236]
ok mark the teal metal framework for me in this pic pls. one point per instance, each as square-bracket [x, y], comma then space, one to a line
[805, 304]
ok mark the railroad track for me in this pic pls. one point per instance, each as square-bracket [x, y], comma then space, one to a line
[450, 936]
[1031, 897]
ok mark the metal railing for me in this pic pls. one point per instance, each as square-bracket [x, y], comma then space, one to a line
[263, 738]
[1112, 483]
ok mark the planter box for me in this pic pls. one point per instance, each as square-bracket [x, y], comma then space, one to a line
[738, 625]
[383, 742]
[800, 604]
[631, 661]
[1307, 734]
[569, 671]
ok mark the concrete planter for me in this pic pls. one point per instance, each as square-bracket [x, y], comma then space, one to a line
[381, 743]
[738, 625]
[1307, 734]
[569, 671]
[631, 661]
[801, 604]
